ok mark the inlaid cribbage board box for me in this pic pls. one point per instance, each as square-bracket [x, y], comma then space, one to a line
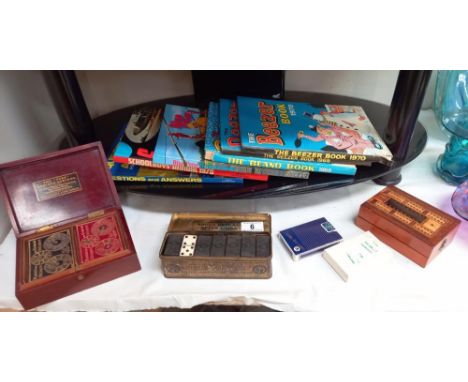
[216, 245]
[412, 227]
[70, 228]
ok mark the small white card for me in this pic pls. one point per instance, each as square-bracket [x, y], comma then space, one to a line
[363, 253]
[252, 226]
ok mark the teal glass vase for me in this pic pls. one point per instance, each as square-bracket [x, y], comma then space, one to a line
[451, 110]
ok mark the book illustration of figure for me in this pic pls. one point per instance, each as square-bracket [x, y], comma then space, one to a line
[186, 153]
[143, 126]
[184, 136]
[341, 136]
[287, 130]
[296, 169]
[191, 119]
[138, 138]
[187, 121]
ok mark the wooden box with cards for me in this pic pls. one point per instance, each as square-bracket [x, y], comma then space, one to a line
[70, 228]
[215, 245]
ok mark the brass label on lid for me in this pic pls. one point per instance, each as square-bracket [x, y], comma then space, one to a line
[57, 186]
[95, 214]
[45, 228]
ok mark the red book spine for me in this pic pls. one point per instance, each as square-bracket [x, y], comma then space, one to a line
[198, 170]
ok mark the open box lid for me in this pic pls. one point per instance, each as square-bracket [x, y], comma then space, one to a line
[57, 188]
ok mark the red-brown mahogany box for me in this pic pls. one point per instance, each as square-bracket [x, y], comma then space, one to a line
[38, 203]
[419, 241]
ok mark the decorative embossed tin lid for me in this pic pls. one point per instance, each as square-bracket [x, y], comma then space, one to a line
[57, 188]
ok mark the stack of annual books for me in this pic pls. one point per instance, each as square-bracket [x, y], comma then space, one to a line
[246, 138]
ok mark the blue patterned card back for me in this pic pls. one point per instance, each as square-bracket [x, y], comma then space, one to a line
[310, 237]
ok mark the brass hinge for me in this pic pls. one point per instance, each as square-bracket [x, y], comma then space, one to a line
[45, 228]
[95, 214]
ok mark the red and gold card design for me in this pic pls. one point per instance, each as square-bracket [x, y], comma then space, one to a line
[98, 238]
[64, 250]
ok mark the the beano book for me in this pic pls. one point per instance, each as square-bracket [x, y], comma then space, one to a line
[276, 167]
[181, 141]
[229, 132]
[302, 132]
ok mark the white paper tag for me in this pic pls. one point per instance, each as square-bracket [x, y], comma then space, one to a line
[252, 226]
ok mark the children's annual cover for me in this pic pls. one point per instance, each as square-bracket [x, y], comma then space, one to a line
[299, 131]
[229, 132]
[138, 139]
[214, 155]
[277, 167]
[310, 237]
[181, 143]
[182, 136]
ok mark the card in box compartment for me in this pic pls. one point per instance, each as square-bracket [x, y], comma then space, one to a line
[412, 227]
[70, 228]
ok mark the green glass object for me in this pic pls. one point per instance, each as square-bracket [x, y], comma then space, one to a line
[451, 109]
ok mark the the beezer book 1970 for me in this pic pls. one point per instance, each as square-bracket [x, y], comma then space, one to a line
[299, 131]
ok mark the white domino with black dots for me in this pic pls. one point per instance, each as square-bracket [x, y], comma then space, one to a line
[188, 245]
